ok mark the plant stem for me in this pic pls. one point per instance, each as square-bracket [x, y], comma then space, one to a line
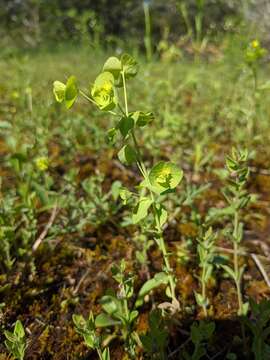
[99, 353]
[144, 172]
[235, 262]
[125, 92]
[204, 291]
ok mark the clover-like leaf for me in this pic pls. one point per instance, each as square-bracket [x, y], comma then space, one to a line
[127, 155]
[129, 66]
[165, 176]
[103, 91]
[141, 210]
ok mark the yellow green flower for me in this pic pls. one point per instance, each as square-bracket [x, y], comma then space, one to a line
[255, 44]
[103, 91]
[42, 163]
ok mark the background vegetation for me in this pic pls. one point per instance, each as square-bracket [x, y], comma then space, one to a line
[203, 71]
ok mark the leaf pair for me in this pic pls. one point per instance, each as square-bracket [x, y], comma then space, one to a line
[126, 65]
[66, 93]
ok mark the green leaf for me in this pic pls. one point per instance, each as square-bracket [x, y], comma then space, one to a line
[89, 340]
[111, 304]
[133, 315]
[71, 92]
[165, 176]
[129, 66]
[141, 210]
[229, 271]
[245, 309]
[125, 195]
[59, 90]
[111, 135]
[115, 189]
[19, 330]
[10, 336]
[79, 321]
[113, 65]
[201, 301]
[104, 320]
[142, 118]
[103, 91]
[125, 125]
[127, 155]
[106, 354]
[162, 214]
[149, 285]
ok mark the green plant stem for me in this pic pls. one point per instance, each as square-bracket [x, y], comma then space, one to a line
[204, 291]
[160, 241]
[255, 78]
[236, 263]
[99, 353]
[125, 92]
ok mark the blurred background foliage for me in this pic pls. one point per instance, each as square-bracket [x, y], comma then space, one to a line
[31, 23]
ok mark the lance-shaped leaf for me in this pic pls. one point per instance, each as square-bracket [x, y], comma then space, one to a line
[141, 210]
[104, 320]
[19, 330]
[103, 91]
[149, 285]
[165, 176]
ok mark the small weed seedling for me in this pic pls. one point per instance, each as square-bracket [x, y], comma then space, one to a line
[156, 339]
[87, 329]
[117, 309]
[206, 256]
[237, 198]
[16, 341]
[200, 332]
[162, 179]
